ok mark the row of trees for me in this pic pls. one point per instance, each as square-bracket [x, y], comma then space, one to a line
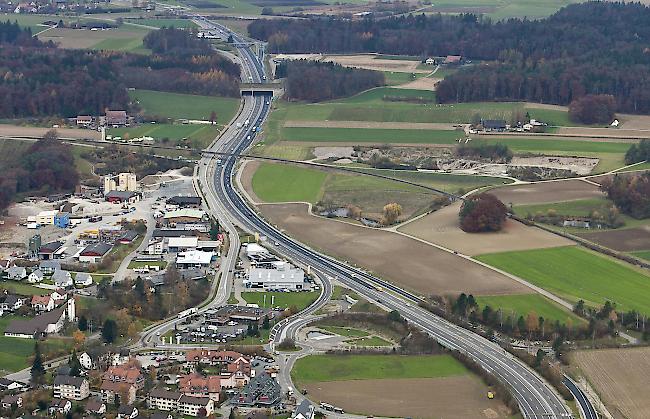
[317, 81]
[589, 48]
[47, 166]
[630, 193]
[481, 213]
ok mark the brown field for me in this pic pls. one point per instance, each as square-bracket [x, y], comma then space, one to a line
[73, 133]
[83, 38]
[246, 172]
[423, 83]
[394, 257]
[416, 397]
[627, 240]
[635, 122]
[544, 192]
[371, 62]
[621, 377]
[441, 227]
[365, 124]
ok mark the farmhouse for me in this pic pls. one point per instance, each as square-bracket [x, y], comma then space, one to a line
[453, 60]
[494, 125]
[71, 388]
[116, 118]
[94, 253]
[284, 277]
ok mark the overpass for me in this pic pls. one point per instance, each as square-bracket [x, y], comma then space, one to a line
[261, 89]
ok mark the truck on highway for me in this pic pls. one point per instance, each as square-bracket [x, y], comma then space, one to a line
[246, 122]
[188, 312]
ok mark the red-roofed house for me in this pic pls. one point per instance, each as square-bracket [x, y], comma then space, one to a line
[196, 385]
[43, 303]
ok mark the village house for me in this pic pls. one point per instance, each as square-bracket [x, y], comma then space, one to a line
[42, 303]
[11, 400]
[116, 118]
[49, 266]
[109, 389]
[86, 361]
[83, 279]
[305, 410]
[59, 406]
[10, 302]
[71, 388]
[95, 407]
[84, 120]
[128, 373]
[127, 412]
[35, 276]
[16, 273]
[62, 279]
[11, 385]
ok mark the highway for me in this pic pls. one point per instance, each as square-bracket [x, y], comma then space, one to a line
[536, 398]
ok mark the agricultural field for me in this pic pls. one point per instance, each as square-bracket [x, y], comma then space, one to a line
[15, 353]
[196, 136]
[547, 193]
[643, 255]
[503, 9]
[184, 106]
[396, 258]
[620, 377]
[126, 38]
[281, 299]
[159, 23]
[522, 305]
[574, 273]
[418, 385]
[370, 135]
[442, 228]
[272, 182]
[623, 240]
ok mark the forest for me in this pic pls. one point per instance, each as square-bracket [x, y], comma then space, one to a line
[45, 167]
[317, 81]
[37, 79]
[593, 47]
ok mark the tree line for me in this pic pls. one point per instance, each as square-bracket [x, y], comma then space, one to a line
[315, 81]
[588, 48]
[638, 153]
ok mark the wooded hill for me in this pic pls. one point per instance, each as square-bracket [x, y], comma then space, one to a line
[593, 47]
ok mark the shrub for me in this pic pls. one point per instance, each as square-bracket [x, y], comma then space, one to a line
[482, 212]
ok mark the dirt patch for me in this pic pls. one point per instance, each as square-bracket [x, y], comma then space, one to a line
[36, 132]
[417, 397]
[423, 83]
[441, 227]
[637, 122]
[333, 152]
[578, 165]
[372, 62]
[544, 192]
[621, 378]
[364, 124]
[628, 240]
[402, 260]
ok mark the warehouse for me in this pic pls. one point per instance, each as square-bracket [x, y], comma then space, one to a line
[285, 277]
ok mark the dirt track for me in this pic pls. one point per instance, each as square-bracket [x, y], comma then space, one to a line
[541, 193]
[628, 240]
[441, 227]
[621, 377]
[402, 260]
[449, 397]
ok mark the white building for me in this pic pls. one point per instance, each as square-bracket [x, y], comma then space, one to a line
[190, 406]
[254, 249]
[35, 277]
[179, 244]
[62, 279]
[194, 259]
[162, 399]
[46, 217]
[83, 279]
[71, 388]
[284, 277]
[86, 361]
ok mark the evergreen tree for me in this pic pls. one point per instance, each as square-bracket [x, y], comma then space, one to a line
[37, 370]
[109, 331]
[75, 365]
[82, 324]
